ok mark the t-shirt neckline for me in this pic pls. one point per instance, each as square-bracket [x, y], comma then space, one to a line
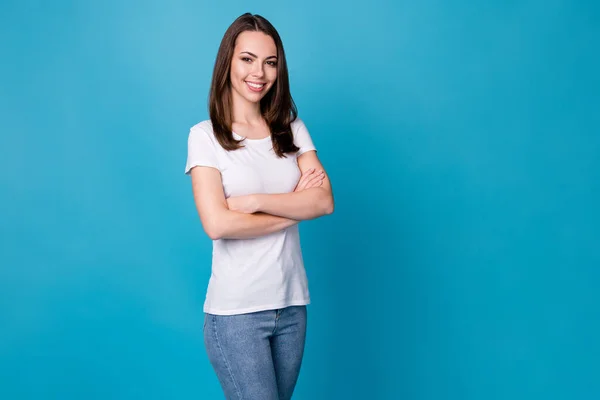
[240, 137]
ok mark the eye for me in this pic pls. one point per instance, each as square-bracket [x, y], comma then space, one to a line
[272, 63]
[246, 59]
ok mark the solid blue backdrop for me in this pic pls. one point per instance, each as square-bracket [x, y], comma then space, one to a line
[462, 141]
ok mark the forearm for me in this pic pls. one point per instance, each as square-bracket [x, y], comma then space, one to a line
[306, 204]
[236, 225]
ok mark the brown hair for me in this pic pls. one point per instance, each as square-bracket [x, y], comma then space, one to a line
[277, 106]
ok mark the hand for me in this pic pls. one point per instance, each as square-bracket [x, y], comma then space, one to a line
[245, 204]
[311, 178]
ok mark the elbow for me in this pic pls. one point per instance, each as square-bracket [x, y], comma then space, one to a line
[328, 207]
[214, 235]
[329, 210]
[327, 204]
[213, 230]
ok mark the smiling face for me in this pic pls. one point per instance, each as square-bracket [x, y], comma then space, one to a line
[253, 66]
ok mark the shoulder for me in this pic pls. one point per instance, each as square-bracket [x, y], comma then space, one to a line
[302, 137]
[299, 129]
[203, 127]
[297, 124]
[203, 130]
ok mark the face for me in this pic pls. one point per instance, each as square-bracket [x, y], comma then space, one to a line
[254, 65]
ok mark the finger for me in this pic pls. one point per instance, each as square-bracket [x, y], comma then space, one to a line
[301, 185]
[309, 172]
[316, 176]
[320, 175]
[316, 181]
[306, 176]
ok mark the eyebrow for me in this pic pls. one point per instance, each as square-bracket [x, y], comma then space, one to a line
[255, 56]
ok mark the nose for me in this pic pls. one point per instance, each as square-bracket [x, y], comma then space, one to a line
[258, 69]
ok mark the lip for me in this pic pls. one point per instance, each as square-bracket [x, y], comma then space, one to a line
[255, 89]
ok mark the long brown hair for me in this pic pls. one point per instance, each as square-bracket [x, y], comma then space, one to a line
[277, 106]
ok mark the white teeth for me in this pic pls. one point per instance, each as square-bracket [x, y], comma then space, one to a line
[254, 85]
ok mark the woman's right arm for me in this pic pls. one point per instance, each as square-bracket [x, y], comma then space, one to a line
[221, 223]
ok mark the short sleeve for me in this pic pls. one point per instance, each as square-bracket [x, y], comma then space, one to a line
[302, 138]
[201, 150]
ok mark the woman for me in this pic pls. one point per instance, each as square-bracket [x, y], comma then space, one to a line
[255, 175]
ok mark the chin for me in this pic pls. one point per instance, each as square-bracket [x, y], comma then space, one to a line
[255, 97]
[252, 99]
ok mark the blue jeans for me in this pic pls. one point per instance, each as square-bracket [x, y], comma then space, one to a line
[257, 356]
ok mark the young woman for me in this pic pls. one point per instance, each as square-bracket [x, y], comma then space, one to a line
[255, 175]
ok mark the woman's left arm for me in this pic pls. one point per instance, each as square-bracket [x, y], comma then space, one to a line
[298, 205]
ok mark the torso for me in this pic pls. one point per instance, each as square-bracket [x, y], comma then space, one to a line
[266, 272]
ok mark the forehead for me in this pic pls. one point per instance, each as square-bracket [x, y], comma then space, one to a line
[258, 43]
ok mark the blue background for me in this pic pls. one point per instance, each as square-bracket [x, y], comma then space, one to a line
[462, 140]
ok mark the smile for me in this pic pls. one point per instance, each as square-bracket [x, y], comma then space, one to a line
[255, 87]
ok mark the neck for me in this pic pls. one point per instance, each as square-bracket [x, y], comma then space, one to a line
[244, 111]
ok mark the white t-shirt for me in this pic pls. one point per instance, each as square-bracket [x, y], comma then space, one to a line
[266, 272]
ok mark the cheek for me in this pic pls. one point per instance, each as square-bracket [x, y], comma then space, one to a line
[237, 72]
[233, 73]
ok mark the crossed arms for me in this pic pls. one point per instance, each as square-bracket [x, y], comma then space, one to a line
[256, 215]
